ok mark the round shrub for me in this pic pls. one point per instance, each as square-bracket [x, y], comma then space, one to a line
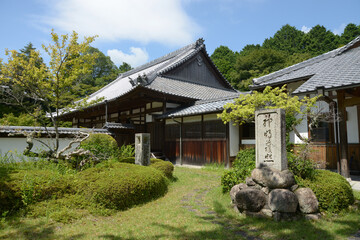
[101, 145]
[121, 185]
[165, 167]
[331, 189]
[25, 187]
[243, 164]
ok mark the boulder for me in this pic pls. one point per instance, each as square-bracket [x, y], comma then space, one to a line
[272, 178]
[283, 200]
[249, 181]
[308, 202]
[312, 216]
[236, 189]
[249, 199]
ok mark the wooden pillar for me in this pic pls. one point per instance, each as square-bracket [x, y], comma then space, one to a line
[344, 163]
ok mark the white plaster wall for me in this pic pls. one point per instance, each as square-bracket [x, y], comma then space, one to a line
[352, 125]
[234, 139]
[17, 145]
[248, 141]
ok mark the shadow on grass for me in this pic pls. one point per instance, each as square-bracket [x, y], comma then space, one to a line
[35, 231]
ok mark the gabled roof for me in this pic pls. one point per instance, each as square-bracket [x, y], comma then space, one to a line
[333, 70]
[151, 75]
[202, 106]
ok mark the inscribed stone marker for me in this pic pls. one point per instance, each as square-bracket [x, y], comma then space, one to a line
[270, 138]
[142, 149]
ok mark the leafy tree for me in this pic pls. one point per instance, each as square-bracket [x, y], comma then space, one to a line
[319, 40]
[23, 120]
[45, 87]
[351, 31]
[244, 107]
[255, 64]
[224, 59]
[124, 67]
[287, 39]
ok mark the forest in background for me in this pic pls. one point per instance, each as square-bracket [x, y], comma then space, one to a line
[288, 46]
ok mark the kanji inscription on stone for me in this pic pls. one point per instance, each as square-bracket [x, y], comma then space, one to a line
[270, 138]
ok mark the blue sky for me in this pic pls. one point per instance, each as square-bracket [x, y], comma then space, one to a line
[137, 31]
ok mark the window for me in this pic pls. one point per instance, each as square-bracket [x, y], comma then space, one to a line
[248, 131]
[214, 129]
[192, 130]
[320, 133]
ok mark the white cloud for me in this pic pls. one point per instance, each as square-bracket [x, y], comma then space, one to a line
[305, 29]
[340, 29]
[137, 57]
[163, 21]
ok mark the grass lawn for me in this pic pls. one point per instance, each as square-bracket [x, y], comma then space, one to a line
[193, 208]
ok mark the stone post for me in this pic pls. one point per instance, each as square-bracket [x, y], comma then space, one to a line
[270, 139]
[142, 149]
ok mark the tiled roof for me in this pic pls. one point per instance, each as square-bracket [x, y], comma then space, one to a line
[149, 72]
[49, 130]
[110, 125]
[188, 89]
[335, 69]
[202, 106]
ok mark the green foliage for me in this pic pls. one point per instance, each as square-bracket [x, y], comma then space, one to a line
[22, 120]
[333, 191]
[126, 160]
[243, 164]
[286, 47]
[126, 151]
[121, 185]
[244, 107]
[101, 145]
[165, 167]
[301, 167]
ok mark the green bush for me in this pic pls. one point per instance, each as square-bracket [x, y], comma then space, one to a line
[243, 164]
[121, 185]
[165, 167]
[303, 168]
[101, 145]
[333, 191]
[127, 160]
[24, 187]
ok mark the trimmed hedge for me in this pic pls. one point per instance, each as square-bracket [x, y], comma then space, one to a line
[165, 167]
[24, 187]
[127, 160]
[121, 185]
[333, 191]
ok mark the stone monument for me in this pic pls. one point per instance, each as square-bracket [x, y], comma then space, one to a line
[142, 149]
[271, 191]
[270, 138]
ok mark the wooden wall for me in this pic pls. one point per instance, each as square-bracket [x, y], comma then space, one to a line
[326, 157]
[198, 152]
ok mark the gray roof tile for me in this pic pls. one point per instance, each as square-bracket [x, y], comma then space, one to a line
[202, 106]
[335, 69]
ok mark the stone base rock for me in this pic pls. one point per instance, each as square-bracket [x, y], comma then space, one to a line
[313, 216]
[250, 199]
[308, 202]
[273, 178]
[235, 189]
[282, 200]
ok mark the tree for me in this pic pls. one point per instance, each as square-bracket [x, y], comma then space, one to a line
[287, 39]
[257, 63]
[124, 67]
[244, 107]
[32, 84]
[319, 40]
[224, 59]
[351, 31]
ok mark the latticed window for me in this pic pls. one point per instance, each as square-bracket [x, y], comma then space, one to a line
[214, 129]
[192, 130]
[172, 131]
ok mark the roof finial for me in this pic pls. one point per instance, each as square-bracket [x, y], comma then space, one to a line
[199, 42]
